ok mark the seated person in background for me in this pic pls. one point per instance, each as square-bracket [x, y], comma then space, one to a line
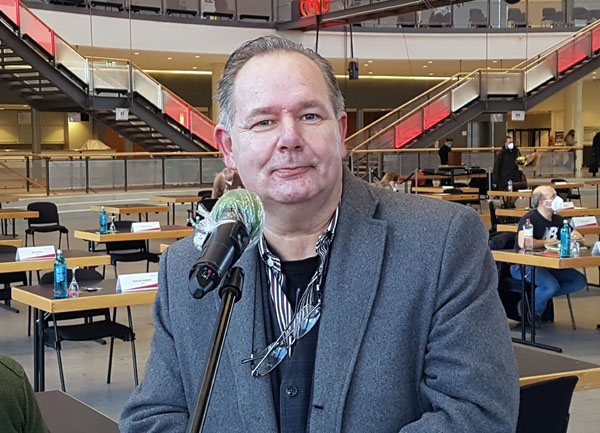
[225, 180]
[445, 150]
[19, 412]
[389, 181]
[546, 229]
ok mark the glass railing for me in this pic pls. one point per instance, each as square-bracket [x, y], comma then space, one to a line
[457, 92]
[103, 76]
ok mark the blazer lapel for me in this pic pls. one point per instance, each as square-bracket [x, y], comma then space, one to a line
[349, 292]
[255, 398]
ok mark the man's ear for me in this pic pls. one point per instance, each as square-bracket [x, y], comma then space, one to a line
[223, 140]
[343, 127]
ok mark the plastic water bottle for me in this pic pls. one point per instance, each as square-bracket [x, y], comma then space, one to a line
[510, 185]
[112, 228]
[103, 222]
[60, 276]
[74, 286]
[565, 240]
[528, 235]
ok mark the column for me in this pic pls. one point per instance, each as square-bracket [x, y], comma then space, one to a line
[37, 171]
[573, 103]
[217, 71]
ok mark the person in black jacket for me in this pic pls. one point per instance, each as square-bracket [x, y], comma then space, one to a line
[595, 154]
[444, 151]
[505, 166]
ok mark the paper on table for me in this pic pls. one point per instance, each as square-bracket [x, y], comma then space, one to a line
[137, 282]
[35, 253]
[152, 226]
[568, 205]
[524, 190]
[588, 221]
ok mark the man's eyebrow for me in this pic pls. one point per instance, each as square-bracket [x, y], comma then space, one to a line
[312, 103]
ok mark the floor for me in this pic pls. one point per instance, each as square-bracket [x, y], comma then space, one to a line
[86, 363]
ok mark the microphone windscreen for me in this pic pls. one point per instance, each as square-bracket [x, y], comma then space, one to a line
[241, 205]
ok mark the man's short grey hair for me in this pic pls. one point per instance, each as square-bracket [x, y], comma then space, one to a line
[539, 194]
[267, 45]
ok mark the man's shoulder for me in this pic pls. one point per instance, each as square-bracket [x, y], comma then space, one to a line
[182, 250]
[10, 369]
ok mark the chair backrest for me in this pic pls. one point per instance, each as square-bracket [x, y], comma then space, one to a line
[476, 14]
[205, 194]
[209, 203]
[123, 225]
[545, 406]
[548, 13]
[8, 249]
[81, 275]
[11, 277]
[493, 219]
[123, 246]
[47, 210]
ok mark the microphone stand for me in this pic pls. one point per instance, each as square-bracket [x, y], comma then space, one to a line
[230, 292]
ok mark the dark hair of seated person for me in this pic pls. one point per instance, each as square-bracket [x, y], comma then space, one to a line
[19, 412]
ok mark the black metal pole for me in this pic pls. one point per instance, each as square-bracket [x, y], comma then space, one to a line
[230, 293]
[125, 173]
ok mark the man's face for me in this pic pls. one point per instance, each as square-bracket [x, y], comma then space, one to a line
[286, 142]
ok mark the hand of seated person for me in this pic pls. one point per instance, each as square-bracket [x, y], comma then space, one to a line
[576, 236]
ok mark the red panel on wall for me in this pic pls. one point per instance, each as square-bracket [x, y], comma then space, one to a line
[436, 111]
[596, 40]
[573, 53]
[407, 130]
[10, 9]
[36, 30]
[176, 109]
[203, 128]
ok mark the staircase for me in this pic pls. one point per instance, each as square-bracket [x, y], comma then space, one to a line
[460, 99]
[50, 75]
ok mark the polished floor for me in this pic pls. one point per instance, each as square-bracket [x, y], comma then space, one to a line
[86, 363]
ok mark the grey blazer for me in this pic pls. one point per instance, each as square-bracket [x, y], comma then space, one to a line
[412, 337]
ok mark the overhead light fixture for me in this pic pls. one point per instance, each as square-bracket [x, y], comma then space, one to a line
[197, 57]
[424, 66]
[494, 61]
[370, 61]
[430, 62]
[431, 73]
[371, 72]
[169, 58]
[366, 65]
[136, 53]
[194, 67]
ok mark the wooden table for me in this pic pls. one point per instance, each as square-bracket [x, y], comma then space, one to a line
[514, 194]
[126, 209]
[8, 199]
[512, 228]
[576, 212]
[441, 190]
[12, 214]
[454, 197]
[545, 259]
[9, 240]
[452, 169]
[73, 257]
[165, 232]
[536, 366]
[175, 198]
[65, 414]
[567, 185]
[597, 183]
[41, 298]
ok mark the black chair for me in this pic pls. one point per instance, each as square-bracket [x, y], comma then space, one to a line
[6, 279]
[517, 17]
[129, 251]
[48, 221]
[545, 406]
[569, 195]
[90, 329]
[207, 202]
[548, 16]
[408, 19]
[477, 19]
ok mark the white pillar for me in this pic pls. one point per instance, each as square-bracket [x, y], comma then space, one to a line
[217, 71]
[573, 103]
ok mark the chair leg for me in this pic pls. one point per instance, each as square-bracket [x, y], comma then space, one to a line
[573, 324]
[29, 323]
[33, 239]
[133, 356]
[58, 356]
[68, 246]
[59, 239]
[112, 345]
[115, 269]
[26, 238]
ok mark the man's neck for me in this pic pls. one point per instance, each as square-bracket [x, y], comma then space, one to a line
[292, 231]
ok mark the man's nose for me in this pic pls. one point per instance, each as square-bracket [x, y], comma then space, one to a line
[290, 137]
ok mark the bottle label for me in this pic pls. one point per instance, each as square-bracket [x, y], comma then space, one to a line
[528, 232]
[60, 274]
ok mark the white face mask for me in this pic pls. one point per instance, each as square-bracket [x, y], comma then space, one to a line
[556, 204]
[510, 146]
[449, 145]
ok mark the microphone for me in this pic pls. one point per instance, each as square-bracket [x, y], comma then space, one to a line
[235, 222]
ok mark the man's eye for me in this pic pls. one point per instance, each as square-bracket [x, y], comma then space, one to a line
[264, 123]
[310, 116]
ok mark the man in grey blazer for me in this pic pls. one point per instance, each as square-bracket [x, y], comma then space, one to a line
[410, 334]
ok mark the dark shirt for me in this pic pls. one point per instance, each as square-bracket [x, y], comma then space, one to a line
[542, 228]
[292, 380]
[443, 152]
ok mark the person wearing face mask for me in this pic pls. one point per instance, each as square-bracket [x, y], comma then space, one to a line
[505, 166]
[226, 180]
[444, 151]
[546, 229]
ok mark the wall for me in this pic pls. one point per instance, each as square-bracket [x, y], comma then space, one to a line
[79, 133]
[15, 129]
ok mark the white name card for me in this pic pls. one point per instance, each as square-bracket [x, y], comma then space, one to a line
[568, 205]
[588, 221]
[35, 253]
[128, 283]
[152, 226]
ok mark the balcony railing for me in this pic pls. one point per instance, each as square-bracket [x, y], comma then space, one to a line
[101, 76]
[409, 121]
